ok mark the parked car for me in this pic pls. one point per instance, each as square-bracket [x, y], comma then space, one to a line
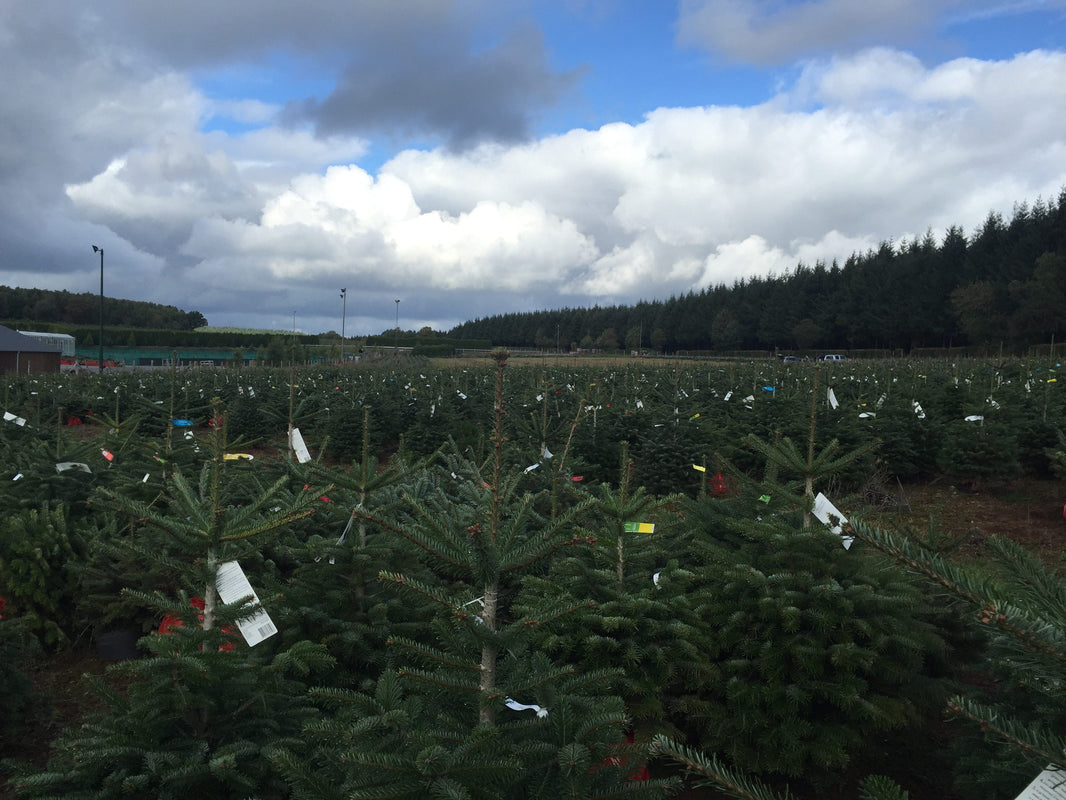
[834, 357]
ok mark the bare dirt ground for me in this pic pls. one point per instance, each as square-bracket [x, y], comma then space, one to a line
[1027, 510]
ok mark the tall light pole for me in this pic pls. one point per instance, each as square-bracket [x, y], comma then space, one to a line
[344, 314]
[100, 250]
[396, 341]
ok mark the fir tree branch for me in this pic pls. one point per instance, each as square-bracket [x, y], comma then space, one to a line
[712, 772]
[1035, 740]
[432, 653]
[1032, 633]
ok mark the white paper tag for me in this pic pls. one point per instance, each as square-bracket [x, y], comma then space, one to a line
[296, 442]
[1048, 785]
[232, 584]
[827, 513]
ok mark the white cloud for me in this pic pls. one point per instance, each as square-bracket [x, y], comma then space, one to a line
[175, 181]
[748, 258]
[347, 223]
[344, 200]
[494, 246]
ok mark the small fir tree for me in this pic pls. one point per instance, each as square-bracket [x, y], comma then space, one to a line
[814, 646]
[442, 726]
[202, 712]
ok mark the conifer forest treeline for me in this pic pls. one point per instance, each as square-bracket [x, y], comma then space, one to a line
[1003, 285]
[496, 581]
[82, 309]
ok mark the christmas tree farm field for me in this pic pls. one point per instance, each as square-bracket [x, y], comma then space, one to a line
[749, 580]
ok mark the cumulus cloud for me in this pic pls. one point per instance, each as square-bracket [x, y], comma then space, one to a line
[152, 197]
[307, 230]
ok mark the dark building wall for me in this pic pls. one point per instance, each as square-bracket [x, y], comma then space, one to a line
[29, 363]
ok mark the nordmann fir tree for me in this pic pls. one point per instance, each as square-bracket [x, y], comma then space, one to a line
[791, 475]
[640, 618]
[814, 646]
[331, 587]
[470, 709]
[201, 713]
[541, 429]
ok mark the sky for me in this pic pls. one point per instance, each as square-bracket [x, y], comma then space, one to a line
[251, 159]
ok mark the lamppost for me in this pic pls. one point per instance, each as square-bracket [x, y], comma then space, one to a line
[344, 314]
[396, 341]
[100, 250]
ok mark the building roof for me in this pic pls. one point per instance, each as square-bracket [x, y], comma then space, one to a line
[56, 336]
[13, 341]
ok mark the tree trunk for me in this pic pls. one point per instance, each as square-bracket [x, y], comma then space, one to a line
[210, 592]
[487, 682]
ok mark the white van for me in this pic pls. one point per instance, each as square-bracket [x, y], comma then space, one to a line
[834, 357]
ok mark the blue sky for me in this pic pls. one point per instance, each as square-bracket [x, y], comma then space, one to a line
[249, 159]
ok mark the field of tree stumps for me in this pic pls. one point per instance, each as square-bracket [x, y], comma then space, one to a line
[502, 580]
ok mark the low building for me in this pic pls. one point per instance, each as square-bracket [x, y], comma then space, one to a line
[24, 355]
[64, 340]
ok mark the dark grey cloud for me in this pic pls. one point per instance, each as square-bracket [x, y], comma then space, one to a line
[204, 33]
[418, 67]
[69, 106]
[436, 87]
[771, 33]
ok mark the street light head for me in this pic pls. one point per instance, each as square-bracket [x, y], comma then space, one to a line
[97, 249]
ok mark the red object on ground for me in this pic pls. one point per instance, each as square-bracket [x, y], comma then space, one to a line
[718, 485]
[170, 621]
